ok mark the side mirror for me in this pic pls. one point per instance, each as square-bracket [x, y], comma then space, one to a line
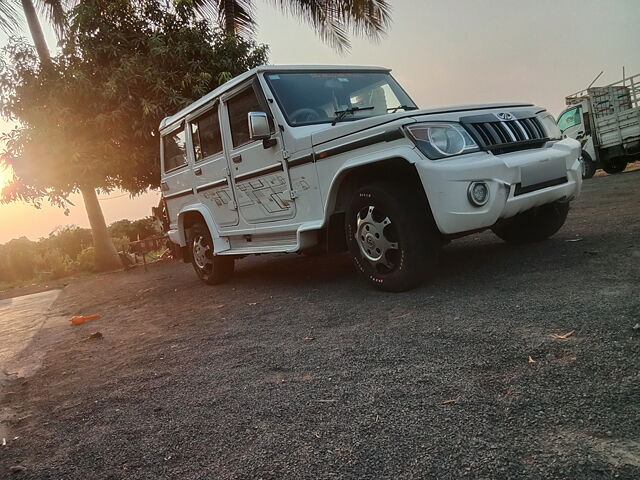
[259, 126]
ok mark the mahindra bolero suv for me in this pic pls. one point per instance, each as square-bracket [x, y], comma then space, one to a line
[329, 158]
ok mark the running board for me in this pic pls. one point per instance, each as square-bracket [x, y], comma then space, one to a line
[260, 249]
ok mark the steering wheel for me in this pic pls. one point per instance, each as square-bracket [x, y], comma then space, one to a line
[305, 115]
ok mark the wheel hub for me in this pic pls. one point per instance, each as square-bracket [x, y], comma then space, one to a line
[201, 252]
[372, 239]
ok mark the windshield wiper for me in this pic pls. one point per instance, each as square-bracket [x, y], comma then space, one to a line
[406, 108]
[340, 114]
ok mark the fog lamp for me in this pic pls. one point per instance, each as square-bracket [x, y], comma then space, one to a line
[478, 194]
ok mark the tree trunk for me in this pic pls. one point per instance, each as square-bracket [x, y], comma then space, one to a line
[36, 32]
[230, 17]
[105, 256]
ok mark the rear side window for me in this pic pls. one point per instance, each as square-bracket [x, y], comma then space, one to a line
[175, 153]
[205, 132]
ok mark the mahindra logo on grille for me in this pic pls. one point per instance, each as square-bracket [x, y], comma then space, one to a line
[505, 116]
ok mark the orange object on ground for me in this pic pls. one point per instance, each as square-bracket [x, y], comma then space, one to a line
[83, 318]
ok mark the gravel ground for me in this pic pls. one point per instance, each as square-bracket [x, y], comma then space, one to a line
[297, 369]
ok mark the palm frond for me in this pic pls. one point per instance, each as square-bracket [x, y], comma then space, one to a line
[54, 12]
[233, 16]
[9, 16]
[334, 19]
[365, 17]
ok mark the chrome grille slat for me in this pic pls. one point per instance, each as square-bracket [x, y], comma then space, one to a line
[522, 130]
[538, 127]
[530, 131]
[493, 133]
[508, 129]
[499, 129]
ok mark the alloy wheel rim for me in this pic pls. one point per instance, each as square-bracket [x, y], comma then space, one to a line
[374, 237]
[201, 252]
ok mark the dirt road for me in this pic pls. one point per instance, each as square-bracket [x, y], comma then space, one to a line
[515, 362]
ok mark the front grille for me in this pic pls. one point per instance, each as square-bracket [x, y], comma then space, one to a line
[500, 136]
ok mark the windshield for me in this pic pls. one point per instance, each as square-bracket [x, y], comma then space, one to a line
[330, 97]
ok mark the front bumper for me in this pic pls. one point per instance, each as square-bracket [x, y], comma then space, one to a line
[517, 182]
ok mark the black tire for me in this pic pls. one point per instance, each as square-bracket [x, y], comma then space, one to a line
[614, 168]
[211, 269]
[314, 252]
[588, 166]
[395, 226]
[534, 225]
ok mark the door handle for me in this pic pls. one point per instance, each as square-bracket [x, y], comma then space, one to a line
[236, 159]
[198, 171]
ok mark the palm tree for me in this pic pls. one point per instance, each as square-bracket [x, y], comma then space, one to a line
[54, 11]
[331, 19]
[106, 256]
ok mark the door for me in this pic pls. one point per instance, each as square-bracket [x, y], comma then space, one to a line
[258, 170]
[210, 168]
[570, 123]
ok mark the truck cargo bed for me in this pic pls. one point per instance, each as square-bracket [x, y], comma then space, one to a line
[622, 128]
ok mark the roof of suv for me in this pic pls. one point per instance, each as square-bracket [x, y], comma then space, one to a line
[263, 68]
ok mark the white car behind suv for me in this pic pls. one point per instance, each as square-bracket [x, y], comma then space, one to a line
[309, 159]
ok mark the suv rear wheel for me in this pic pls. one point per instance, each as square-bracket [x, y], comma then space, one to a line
[391, 236]
[212, 269]
[534, 225]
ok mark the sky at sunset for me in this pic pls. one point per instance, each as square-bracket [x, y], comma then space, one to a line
[444, 52]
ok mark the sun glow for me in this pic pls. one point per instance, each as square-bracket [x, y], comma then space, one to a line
[5, 175]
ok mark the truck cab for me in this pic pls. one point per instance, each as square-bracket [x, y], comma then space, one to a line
[311, 159]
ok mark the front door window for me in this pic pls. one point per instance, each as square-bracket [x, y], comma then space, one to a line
[569, 119]
[239, 107]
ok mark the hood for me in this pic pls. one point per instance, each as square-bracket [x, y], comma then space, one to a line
[348, 127]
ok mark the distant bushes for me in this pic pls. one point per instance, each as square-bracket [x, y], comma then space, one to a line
[54, 264]
[136, 230]
[64, 252]
[85, 260]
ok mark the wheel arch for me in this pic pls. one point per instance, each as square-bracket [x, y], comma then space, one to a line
[198, 213]
[353, 176]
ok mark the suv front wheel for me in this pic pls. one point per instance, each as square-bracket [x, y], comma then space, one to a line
[212, 269]
[534, 225]
[391, 236]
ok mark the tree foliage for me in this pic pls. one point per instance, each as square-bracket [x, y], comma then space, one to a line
[91, 119]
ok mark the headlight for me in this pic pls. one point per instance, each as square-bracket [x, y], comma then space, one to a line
[550, 125]
[441, 140]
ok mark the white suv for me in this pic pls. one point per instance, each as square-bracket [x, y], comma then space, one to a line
[311, 159]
